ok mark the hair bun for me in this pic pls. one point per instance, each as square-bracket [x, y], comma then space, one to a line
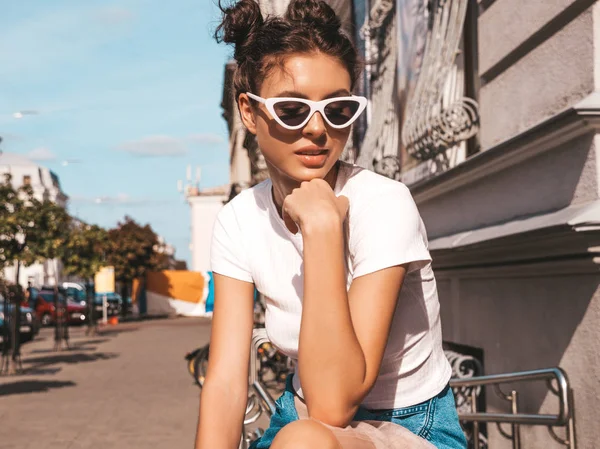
[240, 24]
[313, 12]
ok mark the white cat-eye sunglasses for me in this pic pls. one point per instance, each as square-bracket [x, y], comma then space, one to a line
[294, 113]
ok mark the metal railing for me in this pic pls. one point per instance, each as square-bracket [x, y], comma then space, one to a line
[556, 382]
[260, 401]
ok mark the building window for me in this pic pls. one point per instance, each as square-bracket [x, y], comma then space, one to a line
[26, 180]
[421, 78]
[378, 39]
[441, 117]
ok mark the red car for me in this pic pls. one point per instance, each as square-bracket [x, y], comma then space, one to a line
[43, 304]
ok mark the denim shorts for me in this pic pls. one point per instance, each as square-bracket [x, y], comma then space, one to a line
[435, 420]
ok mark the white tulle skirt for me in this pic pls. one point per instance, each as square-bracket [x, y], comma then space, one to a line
[371, 434]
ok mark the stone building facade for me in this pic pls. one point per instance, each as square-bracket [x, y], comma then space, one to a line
[514, 229]
[500, 148]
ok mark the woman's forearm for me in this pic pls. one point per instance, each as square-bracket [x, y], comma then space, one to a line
[331, 362]
[221, 416]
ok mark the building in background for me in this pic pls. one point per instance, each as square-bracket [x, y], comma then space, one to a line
[246, 164]
[498, 142]
[205, 205]
[46, 186]
[44, 182]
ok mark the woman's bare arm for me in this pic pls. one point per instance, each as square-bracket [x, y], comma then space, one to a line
[343, 334]
[225, 392]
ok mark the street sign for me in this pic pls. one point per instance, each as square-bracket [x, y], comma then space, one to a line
[105, 280]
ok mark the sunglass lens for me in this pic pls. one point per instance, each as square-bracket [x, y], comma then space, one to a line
[292, 113]
[341, 112]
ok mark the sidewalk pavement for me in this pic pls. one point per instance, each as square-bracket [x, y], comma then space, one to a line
[127, 387]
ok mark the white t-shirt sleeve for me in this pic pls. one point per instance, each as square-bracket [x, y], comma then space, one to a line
[227, 254]
[388, 231]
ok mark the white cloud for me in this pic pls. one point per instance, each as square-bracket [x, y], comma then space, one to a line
[120, 199]
[155, 146]
[205, 139]
[41, 154]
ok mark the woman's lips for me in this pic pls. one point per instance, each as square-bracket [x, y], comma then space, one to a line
[312, 158]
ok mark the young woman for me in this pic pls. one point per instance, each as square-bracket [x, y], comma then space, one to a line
[339, 252]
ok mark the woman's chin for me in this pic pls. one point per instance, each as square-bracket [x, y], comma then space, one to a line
[308, 174]
[301, 172]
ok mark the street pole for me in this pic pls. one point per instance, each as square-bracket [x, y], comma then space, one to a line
[65, 314]
[5, 319]
[104, 309]
[5, 334]
[61, 328]
[124, 295]
[16, 367]
[91, 303]
[16, 324]
[57, 331]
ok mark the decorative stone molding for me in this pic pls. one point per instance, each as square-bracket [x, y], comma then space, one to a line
[563, 267]
[380, 10]
[581, 119]
[566, 235]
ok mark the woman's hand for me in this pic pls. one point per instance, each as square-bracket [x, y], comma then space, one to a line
[314, 205]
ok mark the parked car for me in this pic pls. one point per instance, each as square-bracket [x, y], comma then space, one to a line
[75, 292]
[27, 322]
[113, 300]
[46, 312]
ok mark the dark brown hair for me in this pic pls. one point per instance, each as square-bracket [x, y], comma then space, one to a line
[260, 43]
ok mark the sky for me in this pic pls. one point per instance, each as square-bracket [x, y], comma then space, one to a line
[117, 98]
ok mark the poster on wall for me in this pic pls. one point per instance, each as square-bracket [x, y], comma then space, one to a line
[413, 17]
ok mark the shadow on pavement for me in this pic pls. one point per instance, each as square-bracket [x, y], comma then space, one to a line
[43, 371]
[37, 365]
[77, 346]
[80, 348]
[116, 331]
[97, 341]
[33, 386]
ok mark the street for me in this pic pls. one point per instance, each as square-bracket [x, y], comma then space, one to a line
[126, 387]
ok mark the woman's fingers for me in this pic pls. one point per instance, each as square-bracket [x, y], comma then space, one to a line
[314, 200]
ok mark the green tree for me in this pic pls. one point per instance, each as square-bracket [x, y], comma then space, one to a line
[134, 251]
[17, 224]
[85, 252]
[52, 232]
[84, 255]
[30, 230]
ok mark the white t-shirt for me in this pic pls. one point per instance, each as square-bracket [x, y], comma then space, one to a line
[251, 243]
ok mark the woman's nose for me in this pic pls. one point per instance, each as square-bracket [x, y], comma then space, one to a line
[315, 126]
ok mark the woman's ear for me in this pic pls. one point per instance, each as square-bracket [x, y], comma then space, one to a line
[247, 113]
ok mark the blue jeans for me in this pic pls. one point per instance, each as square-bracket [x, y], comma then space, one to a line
[435, 420]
